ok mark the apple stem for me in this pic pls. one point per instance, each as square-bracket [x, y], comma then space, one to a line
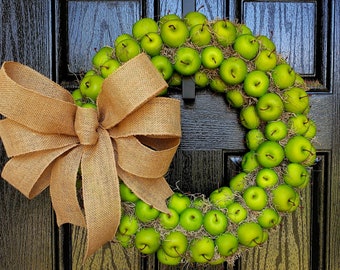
[271, 53]
[306, 96]
[274, 131]
[150, 39]
[264, 109]
[310, 152]
[145, 245]
[214, 60]
[233, 74]
[292, 202]
[87, 84]
[205, 257]
[185, 63]
[172, 26]
[257, 83]
[123, 45]
[202, 6]
[270, 156]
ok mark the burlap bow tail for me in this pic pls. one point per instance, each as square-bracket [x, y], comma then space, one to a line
[133, 136]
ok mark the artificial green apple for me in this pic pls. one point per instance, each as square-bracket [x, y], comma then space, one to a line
[191, 219]
[174, 33]
[311, 131]
[187, 61]
[266, 60]
[104, 54]
[143, 27]
[249, 162]
[243, 29]
[175, 243]
[168, 17]
[283, 76]
[238, 182]
[254, 138]
[222, 197]
[249, 117]
[89, 105]
[91, 86]
[270, 154]
[126, 194]
[193, 18]
[166, 259]
[215, 222]
[256, 83]
[163, 65]
[285, 198]
[298, 149]
[151, 43]
[108, 67]
[169, 220]
[310, 161]
[123, 239]
[202, 249]
[218, 85]
[127, 49]
[179, 202]
[147, 240]
[255, 198]
[269, 107]
[276, 130]
[235, 98]
[295, 100]
[250, 234]
[211, 57]
[91, 72]
[266, 43]
[298, 124]
[233, 70]
[77, 97]
[268, 218]
[247, 46]
[128, 225]
[121, 38]
[296, 175]
[236, 212]
[201, 79]
[227, 244]
[266, 178]
[200, 35]
[145, 212]
[225, 32]
[175, 80]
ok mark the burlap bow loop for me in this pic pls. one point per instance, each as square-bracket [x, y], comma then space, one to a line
[131, 137]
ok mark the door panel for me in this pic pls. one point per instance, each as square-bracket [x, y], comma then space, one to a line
[59, 38]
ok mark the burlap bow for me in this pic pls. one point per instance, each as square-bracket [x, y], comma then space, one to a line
[132, 136]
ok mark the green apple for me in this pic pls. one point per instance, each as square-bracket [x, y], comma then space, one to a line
[191, 219]
[296, 175]
[147, 240]
[268, 218]
[201, 79]
[202, 249]
[143, 27]
[233, 70]
[145, 212]
[127, 49]
[218, 85]
[168, 17]
[295, 100]
[225, 32]
[175, 80]
[266, 43]
[249, 162]
[250, 234]
[310, 161]
[255, 198]
[311, 131]
[254, 138]
[222, 197]
[238, 182]
[104, 54]
[276, 130]
[249, 117]
[285, 198]
[108, 67]
[235, 98]
[298, 124]
[151, 43]
[179, 202]
[169, 220]
[128, 225]
[187, 61]
[175, 243]
[298, 149]
[200, 35]
[193, 18]
[123, 239]
[91, 72]
[163, 65]
[269, 107]
[121, 38]
[166, 259]
[256, 83]
[89, 105]
[215, 222]
[247, 46]
[266, 178]
[266, 60]
[227, 244]
[270, 154]
[283, 76]
[174, 33]
[243, 29]
[91, 86]
[236, 212]
[77, 97]
[126, 194]
[211, 57]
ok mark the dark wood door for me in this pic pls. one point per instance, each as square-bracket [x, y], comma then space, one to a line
[58, 38]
